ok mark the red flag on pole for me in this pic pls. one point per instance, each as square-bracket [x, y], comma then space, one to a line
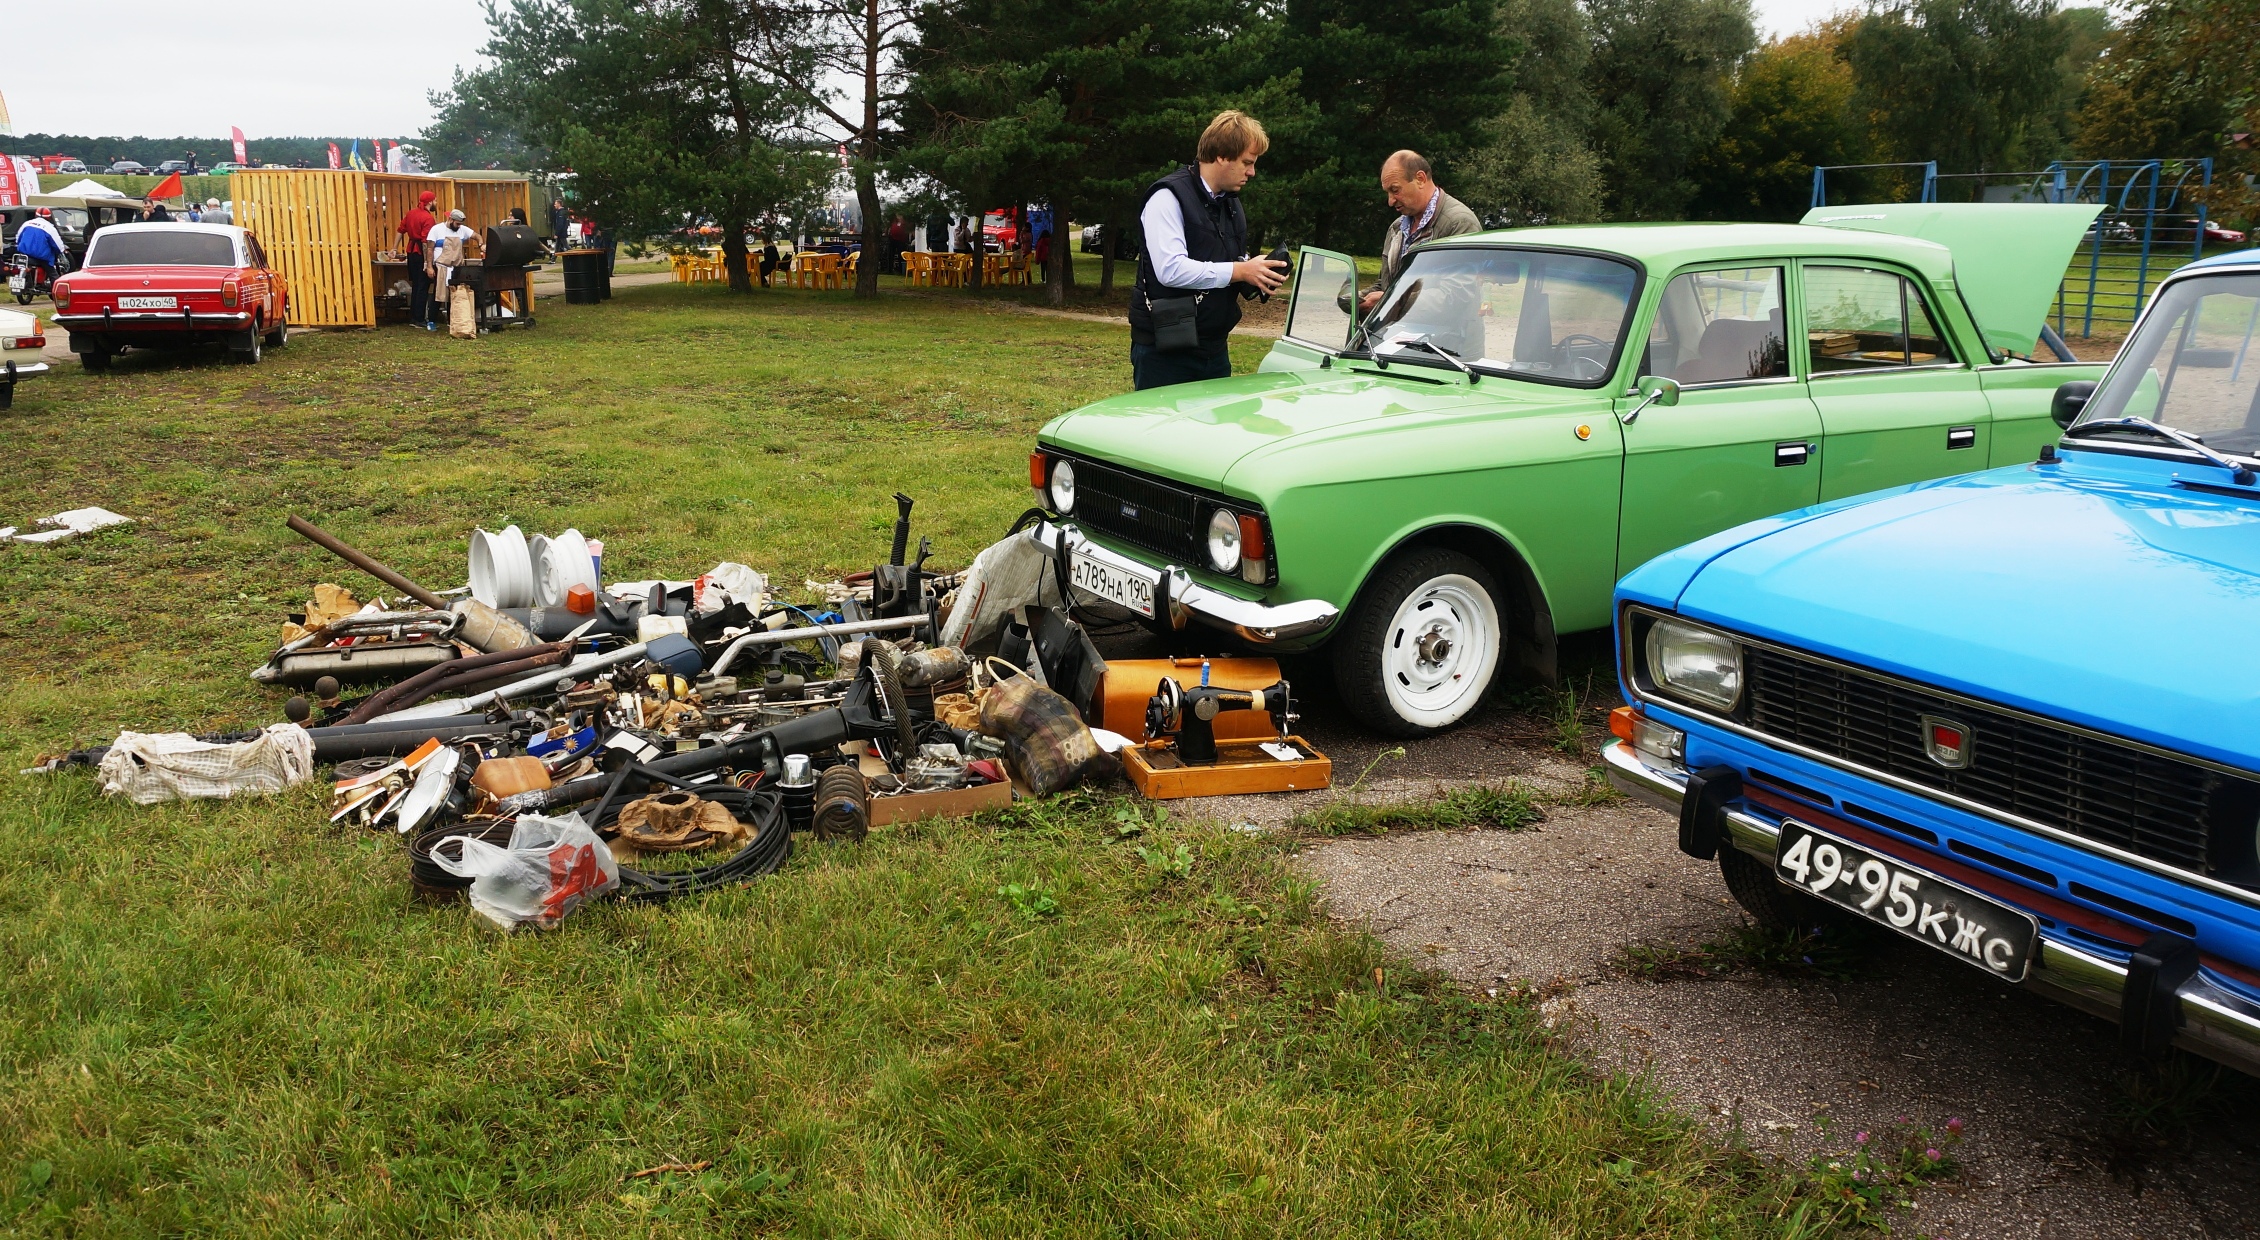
[333, 157]
[170, 187]
[237, 133]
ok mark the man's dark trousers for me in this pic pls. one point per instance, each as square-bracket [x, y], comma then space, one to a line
[419, 291]
[1151, 368]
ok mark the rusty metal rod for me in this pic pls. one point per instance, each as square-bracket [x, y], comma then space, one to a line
[365, 563]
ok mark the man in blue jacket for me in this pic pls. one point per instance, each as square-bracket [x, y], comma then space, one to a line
[38, 241]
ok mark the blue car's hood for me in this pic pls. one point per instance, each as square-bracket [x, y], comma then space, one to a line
[2096, 592]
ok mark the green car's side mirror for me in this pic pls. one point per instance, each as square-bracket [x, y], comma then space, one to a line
[2070, 401]
[1654, 390]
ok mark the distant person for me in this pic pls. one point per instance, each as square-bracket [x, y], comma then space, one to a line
[451, 248]
[768, 259]
[1195, 262]
[898, 241]
[560, 223]
[40, 244]
[1044, 254]
[518, 217]
[415, 230]
[1425, 212]
[215, 213]
[937, 232]
[195, 212]
[155, 212]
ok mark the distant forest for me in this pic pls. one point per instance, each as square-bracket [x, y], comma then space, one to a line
[99, 153]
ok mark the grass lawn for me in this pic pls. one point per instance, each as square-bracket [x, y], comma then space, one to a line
[230, 1019]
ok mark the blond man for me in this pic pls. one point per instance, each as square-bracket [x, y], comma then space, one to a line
[1194, 266]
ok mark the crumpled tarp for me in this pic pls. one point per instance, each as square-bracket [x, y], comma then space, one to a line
[149, 767]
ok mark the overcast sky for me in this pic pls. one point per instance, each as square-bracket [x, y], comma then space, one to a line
[283, 68]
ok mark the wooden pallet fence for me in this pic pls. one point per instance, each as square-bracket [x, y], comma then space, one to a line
[314, 225]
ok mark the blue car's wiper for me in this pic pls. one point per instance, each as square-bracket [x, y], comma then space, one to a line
[2240, 474]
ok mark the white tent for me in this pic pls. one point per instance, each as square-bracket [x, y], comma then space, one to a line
[87, 189]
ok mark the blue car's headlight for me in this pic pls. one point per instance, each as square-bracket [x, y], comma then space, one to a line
[1701, 665]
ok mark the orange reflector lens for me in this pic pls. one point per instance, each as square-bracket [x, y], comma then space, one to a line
[1251, 538]
[1039, 470]
[1620, 723]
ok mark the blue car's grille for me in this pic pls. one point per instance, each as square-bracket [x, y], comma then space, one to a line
[1144, 511]
[2149, 804]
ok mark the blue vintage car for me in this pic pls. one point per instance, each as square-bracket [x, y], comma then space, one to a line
[2015, 714]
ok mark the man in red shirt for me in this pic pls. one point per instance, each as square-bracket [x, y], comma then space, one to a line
[417, 225]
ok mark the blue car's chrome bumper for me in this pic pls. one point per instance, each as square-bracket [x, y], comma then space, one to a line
[1179, 598]
[2211, 1020]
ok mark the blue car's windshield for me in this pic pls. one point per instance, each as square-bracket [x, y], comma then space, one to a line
[2192, 365]
[1536, 314]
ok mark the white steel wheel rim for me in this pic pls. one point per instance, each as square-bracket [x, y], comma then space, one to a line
[1440, 650]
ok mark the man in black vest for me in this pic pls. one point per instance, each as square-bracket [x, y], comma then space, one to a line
[1193, 268]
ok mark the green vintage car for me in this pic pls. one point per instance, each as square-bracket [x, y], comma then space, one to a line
[1442, 488]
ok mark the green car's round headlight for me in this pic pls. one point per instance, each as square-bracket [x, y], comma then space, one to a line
[1695, 663]
[1063, 487]
[1224, 541]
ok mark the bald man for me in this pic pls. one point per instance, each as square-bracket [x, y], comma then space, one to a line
[1426, 212]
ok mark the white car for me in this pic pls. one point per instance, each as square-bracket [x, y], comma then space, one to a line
[23, 344]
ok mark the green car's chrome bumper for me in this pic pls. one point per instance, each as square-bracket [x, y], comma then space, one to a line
[1179, 599]
[2213, 1021]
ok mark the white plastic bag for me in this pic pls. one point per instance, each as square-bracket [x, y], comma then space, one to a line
[148, 767]
[1008, 574]
[552, 866]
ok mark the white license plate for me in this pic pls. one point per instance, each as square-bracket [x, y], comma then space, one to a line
[1917, 903]
[147, 303]
[16, 283]
[1112, 584]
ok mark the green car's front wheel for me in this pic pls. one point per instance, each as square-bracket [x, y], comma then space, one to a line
[1421, 646]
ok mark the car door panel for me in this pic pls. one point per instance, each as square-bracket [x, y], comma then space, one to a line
[2022, 399]
[1895, 402]
[1321, 310]
[1744, 440]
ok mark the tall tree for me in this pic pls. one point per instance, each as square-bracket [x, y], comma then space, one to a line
[812, 45]
[1076, 104]
[1420, 74]
[1792, 107]
[1975, 84]
[1532, 164]
[1661, 78]
[649, 104]
[2182, 78]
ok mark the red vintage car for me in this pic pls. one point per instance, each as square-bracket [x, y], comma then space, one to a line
[146, 286]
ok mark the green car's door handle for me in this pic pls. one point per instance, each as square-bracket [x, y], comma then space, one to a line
[1794, 452]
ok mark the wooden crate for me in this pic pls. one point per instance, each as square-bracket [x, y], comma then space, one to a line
[1241, 766]
[314, 226]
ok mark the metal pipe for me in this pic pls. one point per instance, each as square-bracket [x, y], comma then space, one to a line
[435, 680]
[365, 563]
[367, 740]
[518, 688]
[849, 628]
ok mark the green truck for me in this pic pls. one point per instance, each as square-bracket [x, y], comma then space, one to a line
[1435, 491]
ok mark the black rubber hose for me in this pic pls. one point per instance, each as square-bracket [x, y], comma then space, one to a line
[764, 854]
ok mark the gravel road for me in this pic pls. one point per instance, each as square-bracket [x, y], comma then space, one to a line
[2055, 1145]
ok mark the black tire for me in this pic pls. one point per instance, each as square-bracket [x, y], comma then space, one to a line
[94, 359]
[279, 337]
[246, 350]
[1431, 595]
[25, 298]
[1769, 901]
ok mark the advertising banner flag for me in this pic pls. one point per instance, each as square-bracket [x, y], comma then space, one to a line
[333, 157]
[10, 194]
[7, 127]
[236, 131]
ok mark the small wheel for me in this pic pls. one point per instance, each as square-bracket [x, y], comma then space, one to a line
[1770, 902]
[280, 336]
[24, 298]
[1421, 645]
[248, 353]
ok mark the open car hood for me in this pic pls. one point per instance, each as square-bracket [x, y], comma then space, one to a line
[2009, 257]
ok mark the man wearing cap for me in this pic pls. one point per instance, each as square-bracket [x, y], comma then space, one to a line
[416, 225]
[451, 248]
[40, 244]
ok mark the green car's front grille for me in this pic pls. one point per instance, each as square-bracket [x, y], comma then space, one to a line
[1144, 511]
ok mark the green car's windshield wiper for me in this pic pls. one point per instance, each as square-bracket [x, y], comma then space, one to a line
[1424, 342]
[2241, 474]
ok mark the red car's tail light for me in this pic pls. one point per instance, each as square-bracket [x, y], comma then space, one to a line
[61, 294]
[230, 294]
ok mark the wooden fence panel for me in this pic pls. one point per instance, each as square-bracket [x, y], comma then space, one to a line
[315, 227]
[487, 203]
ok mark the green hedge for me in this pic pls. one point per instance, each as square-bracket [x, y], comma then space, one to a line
[199, 188]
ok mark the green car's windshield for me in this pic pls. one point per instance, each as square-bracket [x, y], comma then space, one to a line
[1535, 314]
[2192, 365]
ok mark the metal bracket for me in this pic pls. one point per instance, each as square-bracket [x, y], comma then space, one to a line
[1702, 808]
[2150, 1009]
